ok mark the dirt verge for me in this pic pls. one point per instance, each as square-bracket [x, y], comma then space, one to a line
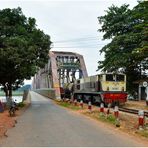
[7, 122]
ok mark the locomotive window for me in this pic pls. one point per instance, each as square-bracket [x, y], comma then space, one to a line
[119, 77]
[78, 87]
[109, 77]
[92, 85]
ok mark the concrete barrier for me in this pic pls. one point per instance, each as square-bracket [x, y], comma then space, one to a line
[25, 94]
[27, 98]
[47, 92]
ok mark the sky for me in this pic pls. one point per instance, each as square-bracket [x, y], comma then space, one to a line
[72, 24]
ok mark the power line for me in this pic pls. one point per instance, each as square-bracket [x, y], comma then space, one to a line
[95, 45]
[78, 46]
[77, 40]
[74, 47]
[85, 42]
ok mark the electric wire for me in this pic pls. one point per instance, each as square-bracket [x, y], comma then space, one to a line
[77, 40]
[85, 42]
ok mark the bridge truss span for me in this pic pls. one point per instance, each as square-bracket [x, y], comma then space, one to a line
[62, 68]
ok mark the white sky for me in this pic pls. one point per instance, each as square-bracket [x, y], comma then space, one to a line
[71, 24]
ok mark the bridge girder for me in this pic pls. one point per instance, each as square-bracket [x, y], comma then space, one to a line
[62, 67]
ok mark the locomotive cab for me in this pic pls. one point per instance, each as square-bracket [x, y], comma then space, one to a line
[107, 88]
[114, 88]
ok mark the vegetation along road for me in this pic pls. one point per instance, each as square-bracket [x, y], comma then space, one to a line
[47, 124]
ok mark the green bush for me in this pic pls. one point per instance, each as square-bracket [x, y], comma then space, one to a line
[21, 104]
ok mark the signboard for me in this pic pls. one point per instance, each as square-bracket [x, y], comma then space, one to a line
[69, 65]
[141, 113]
[145, 84]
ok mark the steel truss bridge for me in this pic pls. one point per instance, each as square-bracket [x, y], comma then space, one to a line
[62, 68]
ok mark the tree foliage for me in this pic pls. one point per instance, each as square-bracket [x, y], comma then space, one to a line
[128, 49]
[23, 47]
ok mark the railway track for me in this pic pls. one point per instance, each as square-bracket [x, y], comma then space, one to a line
[132, 111]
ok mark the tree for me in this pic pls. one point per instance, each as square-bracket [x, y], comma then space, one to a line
[23, 48]
[127, 52]
[140, 14]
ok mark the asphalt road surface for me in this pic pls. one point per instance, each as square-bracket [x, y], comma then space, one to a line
[46, 124]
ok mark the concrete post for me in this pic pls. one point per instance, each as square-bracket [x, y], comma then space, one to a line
[108, 109]
[81, 103]
[101, 108]
[140, 119]
[75, 102]
[89, 106]
[116, 112]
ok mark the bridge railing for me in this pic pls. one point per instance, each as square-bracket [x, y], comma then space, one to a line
[47, 92]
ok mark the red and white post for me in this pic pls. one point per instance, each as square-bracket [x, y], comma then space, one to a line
[116, 112]
[89, 106]
[102, 108]
[108, 109]
[140, 119]
[81, 104]
[71, 100]
[75, 102]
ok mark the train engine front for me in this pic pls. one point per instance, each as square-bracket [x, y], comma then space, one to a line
[107, 88]
[113, 88]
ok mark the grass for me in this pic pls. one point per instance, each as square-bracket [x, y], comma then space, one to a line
[68, 105]
[143, 133]
[109, 119]
[94, 114]
[21, 104]
[102, 117]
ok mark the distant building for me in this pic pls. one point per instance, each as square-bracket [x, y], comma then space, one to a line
[142, 89]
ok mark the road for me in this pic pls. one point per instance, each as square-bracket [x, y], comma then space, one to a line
[46, 124]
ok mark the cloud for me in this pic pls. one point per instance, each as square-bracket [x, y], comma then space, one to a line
[70, 20]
